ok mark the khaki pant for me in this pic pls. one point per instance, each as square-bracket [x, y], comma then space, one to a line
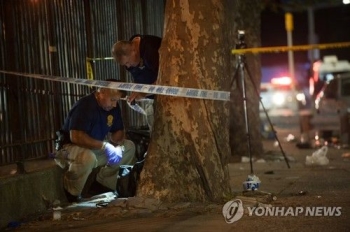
[82, 161]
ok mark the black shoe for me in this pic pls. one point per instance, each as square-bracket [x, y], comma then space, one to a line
[96, 188]
[71, 198]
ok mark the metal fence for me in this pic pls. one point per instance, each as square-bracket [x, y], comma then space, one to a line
[55, 37]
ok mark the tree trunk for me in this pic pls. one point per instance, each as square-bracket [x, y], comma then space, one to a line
[188, 155]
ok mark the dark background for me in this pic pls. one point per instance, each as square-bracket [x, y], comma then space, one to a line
[332, 25]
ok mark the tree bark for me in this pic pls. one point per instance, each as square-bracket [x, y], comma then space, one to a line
[188, 156]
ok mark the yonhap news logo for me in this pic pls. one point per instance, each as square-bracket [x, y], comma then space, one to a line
[234, 210]
[316, 211]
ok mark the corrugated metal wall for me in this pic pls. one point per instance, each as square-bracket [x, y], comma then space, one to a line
[55, 37]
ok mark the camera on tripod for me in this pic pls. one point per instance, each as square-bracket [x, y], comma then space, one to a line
[241, 43]
[241, 69]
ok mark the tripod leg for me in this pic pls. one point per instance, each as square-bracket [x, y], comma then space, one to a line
[242, 74]
[268, 119]
[234, 75]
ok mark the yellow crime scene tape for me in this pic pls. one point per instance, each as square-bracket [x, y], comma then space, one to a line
[89, 71]
[290, 48]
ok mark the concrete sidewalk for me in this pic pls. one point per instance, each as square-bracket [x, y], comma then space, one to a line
[325, 187]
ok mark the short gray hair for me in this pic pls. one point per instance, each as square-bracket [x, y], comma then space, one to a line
[121, 48]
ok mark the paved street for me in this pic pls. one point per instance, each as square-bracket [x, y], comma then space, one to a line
[314, 188]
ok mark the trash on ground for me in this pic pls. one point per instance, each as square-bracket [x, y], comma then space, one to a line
[78, 219]
[96, 201]
[245, 159]
[290, 138]
[57, 213]
[300, 193]
[260, 161]
[252, 183]
[346, 155]
[318, 157]
[260, 196]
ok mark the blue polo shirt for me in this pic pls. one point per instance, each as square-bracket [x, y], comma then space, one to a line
[86, 115]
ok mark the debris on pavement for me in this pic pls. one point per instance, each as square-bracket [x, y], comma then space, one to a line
[262, 196]
[300, 193]
[318, 157]
[56, 215]
[252, 183]
[96, 201]
[245, 159]
[261, 161]
[256, 199]
[346, 155]
[268, 156]
[290, 138]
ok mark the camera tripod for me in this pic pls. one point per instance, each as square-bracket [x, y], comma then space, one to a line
[241, 69]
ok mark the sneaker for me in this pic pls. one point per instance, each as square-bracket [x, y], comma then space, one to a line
[71, 198]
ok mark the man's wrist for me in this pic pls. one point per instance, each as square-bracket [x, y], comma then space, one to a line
[103, 145]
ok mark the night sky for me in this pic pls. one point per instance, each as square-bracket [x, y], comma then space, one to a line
[332, 25]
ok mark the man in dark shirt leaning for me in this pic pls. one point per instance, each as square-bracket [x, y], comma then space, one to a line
[140, 57]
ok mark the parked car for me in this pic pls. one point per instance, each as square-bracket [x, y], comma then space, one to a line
[279, 98]
[282, 103]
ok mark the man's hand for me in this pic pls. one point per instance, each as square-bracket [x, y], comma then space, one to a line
[114, 154]
[136, 96]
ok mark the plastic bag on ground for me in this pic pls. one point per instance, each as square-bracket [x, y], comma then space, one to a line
[319, 157]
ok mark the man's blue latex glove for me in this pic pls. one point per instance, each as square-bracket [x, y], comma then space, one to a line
[114, 154]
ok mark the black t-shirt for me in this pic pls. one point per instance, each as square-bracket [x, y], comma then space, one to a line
[147, 71]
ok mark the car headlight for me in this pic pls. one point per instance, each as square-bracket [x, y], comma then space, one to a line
[278, 99]
[301, 97]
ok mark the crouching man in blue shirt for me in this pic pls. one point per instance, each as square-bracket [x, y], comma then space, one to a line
[95, 130]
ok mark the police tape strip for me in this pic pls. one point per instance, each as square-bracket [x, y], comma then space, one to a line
[150, 89]
[290, 48]
[268, 49]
